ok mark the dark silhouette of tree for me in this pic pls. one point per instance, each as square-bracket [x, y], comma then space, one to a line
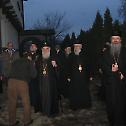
[116, 25]
[66, 40]
[82, 36]
[96, 42]
[73, 37]
[107, 25]
[97, 32]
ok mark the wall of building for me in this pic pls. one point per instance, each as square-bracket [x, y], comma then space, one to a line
[17, 4]
[8, 32]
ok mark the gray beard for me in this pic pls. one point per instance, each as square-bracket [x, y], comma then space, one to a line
[46, 55]
[77, 52]
[115, 49]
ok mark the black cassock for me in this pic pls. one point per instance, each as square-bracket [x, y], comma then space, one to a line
[79, 93]
[48, 90]
[115, 88]
[33, 83]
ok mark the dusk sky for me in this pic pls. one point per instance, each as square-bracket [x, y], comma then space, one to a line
[79, 13]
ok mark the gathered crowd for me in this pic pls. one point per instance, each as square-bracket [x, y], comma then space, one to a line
[42, 76]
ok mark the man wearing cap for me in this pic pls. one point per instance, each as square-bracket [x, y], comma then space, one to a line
[33, 54]
[114, 70]
[48, 90]
[8, 56]
[67, 52]
[79, 93]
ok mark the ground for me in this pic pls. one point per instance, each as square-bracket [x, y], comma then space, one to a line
[95, 116]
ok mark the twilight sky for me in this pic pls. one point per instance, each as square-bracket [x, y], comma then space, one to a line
[79, 13]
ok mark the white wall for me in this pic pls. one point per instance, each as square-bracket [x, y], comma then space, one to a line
[8, 32]
[16, 9]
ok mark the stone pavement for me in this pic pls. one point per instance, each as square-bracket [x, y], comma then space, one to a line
[96, 116]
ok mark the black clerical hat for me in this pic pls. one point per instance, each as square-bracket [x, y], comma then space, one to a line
[116, 33]
[45, 43]
[78, 41]
[67, 44]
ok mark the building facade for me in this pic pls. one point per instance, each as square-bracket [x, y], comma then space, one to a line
[11, 21]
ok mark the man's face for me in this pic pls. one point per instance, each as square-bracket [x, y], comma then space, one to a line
[77, 48]
[115, 39]
[46, 52]
[10, 45]
[33, 47]
[68, 50]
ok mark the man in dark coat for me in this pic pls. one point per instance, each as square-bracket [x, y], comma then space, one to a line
[33, 85]
[79, 93]
[47, 77]
[59, 55]
[67, 52]
[114, 70]
[22, 71]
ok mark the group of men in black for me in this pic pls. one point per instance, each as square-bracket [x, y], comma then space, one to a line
[58, 75]
[50, 73]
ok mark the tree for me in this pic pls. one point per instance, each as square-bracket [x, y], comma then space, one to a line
[122, 9]
[116, 25]
[97, 31]
[81, 36]
[55, 21]
[67, 38]
[96, 44]
[66, 41]
[73, 37]
[107, 25]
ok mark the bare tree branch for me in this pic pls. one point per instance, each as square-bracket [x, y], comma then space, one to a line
[53, 20]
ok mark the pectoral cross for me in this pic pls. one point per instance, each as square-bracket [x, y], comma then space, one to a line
[44, 71]
[80, 68]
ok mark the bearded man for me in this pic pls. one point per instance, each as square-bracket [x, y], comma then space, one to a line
[47, 78]
[79, 94]
[33, 84]
[114, 70]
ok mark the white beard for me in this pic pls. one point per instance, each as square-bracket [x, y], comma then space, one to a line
[115, 49]
[45, 55]
[68, 52]
[77, 51]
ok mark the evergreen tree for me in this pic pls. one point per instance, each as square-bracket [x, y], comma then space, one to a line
[81, 36]
[116, 25]
[107, 25]
[67, 38]
[96, 42]
[73, 37]
[97, 32]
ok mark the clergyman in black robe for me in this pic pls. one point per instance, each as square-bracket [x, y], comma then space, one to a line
[33, 84]
[48, 102]
[114, 71]
[79, 93]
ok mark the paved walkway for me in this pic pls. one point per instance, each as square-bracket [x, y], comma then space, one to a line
[96, 116]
